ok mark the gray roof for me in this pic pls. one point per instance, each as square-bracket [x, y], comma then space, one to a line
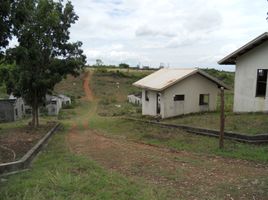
[164, 78]
[231, 58]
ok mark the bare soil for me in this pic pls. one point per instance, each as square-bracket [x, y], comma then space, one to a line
[187, 175]
[16, 142]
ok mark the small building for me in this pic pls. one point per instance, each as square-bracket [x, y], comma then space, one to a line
[135, 98]
[11, 109]
[65, 99]
[171, 92]
[250, 88]
[49, 98]
[54, 106]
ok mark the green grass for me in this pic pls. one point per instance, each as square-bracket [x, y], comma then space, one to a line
[58, 174]
[178, 139]
[71, 86]
[112, 88]
[251, 123]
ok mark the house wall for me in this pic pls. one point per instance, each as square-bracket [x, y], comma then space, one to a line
[149, 107]
[191, 87]
[134, 99]
[6, 112]
[245, 99]
[19, 105]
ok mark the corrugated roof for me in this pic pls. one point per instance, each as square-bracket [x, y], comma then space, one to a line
[165, 78]
[231, 58]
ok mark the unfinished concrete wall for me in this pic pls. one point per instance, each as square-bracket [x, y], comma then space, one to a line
[191, 88]
[6, 112]
[149, 106]
[245, 99]
[19, 109]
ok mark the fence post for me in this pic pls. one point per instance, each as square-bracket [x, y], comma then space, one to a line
[222, 120]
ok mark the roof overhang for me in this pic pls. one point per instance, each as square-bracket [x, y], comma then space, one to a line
[196, 71]
[232, 58]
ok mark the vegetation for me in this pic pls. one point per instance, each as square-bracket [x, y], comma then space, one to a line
[226, 77]
[60, 174]
[44, 55]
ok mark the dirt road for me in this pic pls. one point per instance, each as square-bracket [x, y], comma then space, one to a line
[188, 175]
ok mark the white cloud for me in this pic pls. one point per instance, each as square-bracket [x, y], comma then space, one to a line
[182, 33]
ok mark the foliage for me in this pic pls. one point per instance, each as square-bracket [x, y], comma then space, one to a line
[44, 55]
[225, 76]
[123, 65]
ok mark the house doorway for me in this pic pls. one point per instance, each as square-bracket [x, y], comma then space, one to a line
[158, 103]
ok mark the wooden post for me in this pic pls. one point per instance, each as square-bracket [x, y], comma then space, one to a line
[222, 122]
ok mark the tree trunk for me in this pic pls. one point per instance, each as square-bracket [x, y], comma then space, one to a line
[37, 116]
[222, 122]
[33, 116]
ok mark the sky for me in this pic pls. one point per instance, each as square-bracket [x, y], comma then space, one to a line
[176, 33]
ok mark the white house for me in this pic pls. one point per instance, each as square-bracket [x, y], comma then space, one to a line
[135, 99]
[11, 109]
[54, 106]
[250, 89]
[172, 92]
[65, 99]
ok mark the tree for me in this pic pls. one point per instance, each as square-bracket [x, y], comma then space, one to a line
[5, 24]
[44, 55]
[99, 63]
[123, 65]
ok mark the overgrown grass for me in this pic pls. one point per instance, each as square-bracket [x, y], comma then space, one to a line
[58, 174]
[178, 139]
[111, 89]
[251, 123]
[71, 86]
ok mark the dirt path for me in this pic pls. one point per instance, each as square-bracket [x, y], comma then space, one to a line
[86, 86]
[187, 175]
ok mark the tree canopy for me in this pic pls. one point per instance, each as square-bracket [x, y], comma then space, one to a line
[44, 55]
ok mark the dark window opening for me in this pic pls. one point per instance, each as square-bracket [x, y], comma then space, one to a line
[22, 109]
[146, 95]
[261, 82]
[203, 99]
[179, 97]
[16, 112]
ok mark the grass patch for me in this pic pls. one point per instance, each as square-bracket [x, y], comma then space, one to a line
[58, 174]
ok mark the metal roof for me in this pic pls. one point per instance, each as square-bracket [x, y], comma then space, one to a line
[165, 78]
[231, 58]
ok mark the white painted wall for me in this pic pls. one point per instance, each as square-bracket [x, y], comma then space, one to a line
[134, 99]
[191, 87]
[149, 107]
[245, 99]
[20, 107]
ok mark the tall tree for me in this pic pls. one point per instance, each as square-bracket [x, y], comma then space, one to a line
[44, 55]
[5, 24]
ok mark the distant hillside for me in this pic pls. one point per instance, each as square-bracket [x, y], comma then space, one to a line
[226, 77]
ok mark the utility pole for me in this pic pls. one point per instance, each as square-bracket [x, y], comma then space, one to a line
[222, 120]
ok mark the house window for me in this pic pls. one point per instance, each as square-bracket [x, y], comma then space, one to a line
[16, 112]
[203, 99]
[261, 82]
[179, 97]
[146, 95]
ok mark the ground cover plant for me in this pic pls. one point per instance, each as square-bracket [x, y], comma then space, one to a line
[100, 156]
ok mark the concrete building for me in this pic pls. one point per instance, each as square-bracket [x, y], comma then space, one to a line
[11, 109]
[54, 106]
[135, 98]
[250, 88]
[64, 99]
[171, 92]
